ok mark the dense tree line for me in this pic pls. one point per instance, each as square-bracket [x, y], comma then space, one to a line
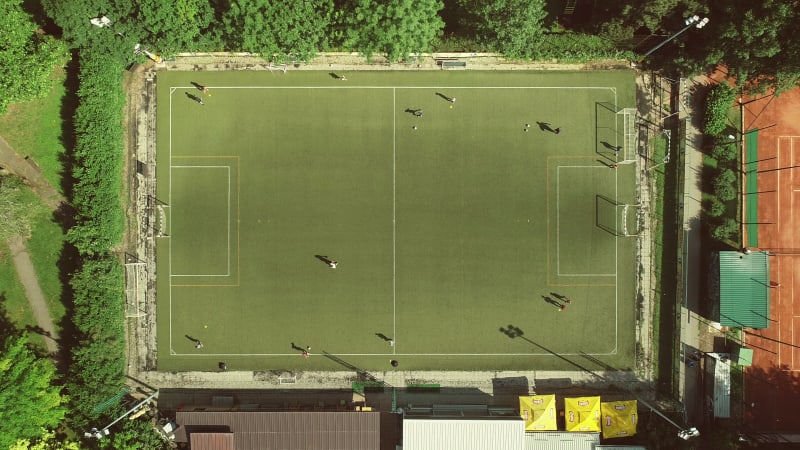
[27, 56]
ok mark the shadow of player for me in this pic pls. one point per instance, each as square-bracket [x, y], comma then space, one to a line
[414, 112]
[198, 86]
[383, 336]
[194, 98]
[195, 340]
[335, 76]
[443, 96]
[551, 301]
[298, 348]
[544, 126]
[324, 259]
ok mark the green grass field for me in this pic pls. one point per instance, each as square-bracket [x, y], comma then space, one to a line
[445, 235]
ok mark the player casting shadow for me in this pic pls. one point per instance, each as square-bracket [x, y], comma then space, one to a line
[195, 98]
[324, 259]
[551, 301]
[199, 86]
[559, 296]
[383, 336]
[414, 112]
[444, 96]
[544, 126]
[297, 347]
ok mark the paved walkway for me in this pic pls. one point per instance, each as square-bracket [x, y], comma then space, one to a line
[30, 173]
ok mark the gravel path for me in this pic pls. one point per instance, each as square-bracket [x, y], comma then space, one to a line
[32, 176]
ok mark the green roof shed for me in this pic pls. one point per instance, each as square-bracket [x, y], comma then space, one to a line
[744, 289]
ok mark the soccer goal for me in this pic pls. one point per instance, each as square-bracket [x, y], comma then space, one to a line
[135, 285]
[629, 133]
[619, 219]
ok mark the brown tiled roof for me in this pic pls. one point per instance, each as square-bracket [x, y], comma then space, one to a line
[212, 441]
[288, 430]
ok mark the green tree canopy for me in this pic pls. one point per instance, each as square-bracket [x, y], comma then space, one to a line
[279, 30]
[47, 441]
[395, 28]
[513, 27]
[29, 402]
[27, 56]
[175, 25]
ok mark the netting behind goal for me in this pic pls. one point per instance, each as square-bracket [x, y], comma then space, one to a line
[629, 133]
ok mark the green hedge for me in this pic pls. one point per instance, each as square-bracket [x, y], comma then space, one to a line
[719, 100]
[97, 369]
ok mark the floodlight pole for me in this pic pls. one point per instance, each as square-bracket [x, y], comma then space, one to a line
[683, 433]
[695, 21]
[100, 434]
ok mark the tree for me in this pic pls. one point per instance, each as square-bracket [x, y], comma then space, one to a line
[395, 28]
[73, 19]
[18, 207]
[47, 441]
[28, 56]
[134, 435]
[29, 402]
[283, 31]
[176, 25]
[513, 27]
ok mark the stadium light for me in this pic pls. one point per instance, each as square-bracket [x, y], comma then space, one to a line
[693, 21]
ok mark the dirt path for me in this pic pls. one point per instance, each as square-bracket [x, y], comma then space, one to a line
[27, 275]
[32, 175]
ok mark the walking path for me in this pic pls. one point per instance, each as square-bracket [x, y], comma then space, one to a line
[32, 175]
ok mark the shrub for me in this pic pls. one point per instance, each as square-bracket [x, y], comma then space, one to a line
[718, 101]
[725, 185]
[725, 229]
[725, 150]
[715, 207]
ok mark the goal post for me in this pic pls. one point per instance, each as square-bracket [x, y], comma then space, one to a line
[619, 219]
[629, 133]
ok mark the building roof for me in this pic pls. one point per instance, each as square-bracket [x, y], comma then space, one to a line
[722, 384]
[212, 441]
[744, 289]
[286, 430]
[561, 440]
[463, 434]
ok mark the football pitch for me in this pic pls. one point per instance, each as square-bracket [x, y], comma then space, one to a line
[459, 205]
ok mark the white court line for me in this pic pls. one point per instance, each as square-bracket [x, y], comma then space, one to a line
[392, 354]
[613, 89]
[228, 223]
[394, 218]
[169, 201]
[558, 228]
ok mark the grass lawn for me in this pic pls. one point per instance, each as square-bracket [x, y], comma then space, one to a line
[455, 232]
[34, 129]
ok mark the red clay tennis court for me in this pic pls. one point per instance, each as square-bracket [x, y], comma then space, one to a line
[772, 383]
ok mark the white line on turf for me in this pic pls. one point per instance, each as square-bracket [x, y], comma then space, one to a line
[394, 218]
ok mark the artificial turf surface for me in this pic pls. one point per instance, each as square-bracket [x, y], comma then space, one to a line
[447, 228]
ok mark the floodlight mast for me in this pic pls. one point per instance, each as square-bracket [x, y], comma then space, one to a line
[695, 21]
